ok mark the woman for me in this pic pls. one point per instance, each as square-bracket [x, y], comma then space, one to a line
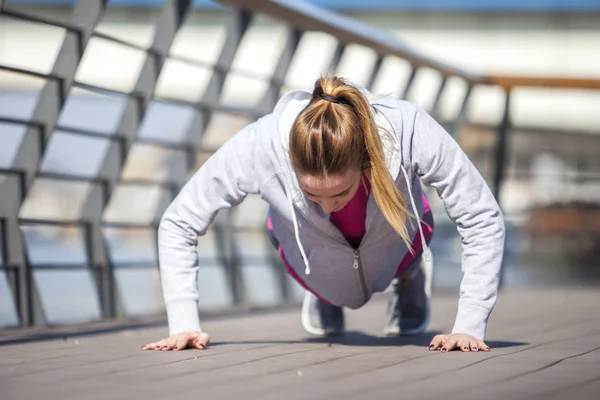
[347, 213]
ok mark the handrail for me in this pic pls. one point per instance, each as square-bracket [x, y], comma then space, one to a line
[510, 81]
[309, 17]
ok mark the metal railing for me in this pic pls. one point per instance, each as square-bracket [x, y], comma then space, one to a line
[299, 17]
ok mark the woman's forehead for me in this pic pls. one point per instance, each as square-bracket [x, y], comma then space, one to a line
[328, 182]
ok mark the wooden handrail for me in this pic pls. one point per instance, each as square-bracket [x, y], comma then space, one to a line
[509, 82]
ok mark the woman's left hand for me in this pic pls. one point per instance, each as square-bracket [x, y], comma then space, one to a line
[460, 341]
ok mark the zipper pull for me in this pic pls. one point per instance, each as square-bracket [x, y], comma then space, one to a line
[355, 264]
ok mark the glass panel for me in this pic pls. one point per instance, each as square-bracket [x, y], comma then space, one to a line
[452, 98]
[242, 91]
[29, 52]
[182, 81]
[131, 245]
[566, 109]
[110, 65]
[253, 246]
[68, 153]
[55, 244]
[167, 122]
[311, 60]
[392, 77]
[140, 290]
[486, 105]
[67, 296]
[356, 64]
[153, 163]
[260, 47]
[201, 37]
[19, 95]
[92, 111]
[222, 127]
[55, 200]
[8, 313]
[135, 204]
[132, 27]
[425, 88]
[260, 284]
[11, 136]
[213, 288]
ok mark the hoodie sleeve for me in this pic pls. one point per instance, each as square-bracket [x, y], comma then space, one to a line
[470, 204]
[222, 182]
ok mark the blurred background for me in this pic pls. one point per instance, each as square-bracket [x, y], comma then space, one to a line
[107, 107]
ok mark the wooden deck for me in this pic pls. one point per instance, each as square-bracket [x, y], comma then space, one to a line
[545, 345]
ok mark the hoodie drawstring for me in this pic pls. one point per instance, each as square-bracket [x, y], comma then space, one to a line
[297, 233]
[427, 257]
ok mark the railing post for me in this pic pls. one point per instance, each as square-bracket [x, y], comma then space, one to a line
[409, 82]
[462, 113]
[336, 57]
[502, 148]
[435, 107]
[375, 72]
[278, 78]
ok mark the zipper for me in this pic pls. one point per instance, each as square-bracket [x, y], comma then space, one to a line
[357, 265]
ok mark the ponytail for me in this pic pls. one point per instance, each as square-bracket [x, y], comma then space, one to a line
[337, 132]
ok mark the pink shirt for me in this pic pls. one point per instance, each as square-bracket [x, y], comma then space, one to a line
[350, 220]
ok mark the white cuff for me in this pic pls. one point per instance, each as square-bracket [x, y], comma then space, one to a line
[471, 319]
[183, 316]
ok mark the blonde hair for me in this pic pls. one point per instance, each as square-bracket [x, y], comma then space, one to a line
[336, 133]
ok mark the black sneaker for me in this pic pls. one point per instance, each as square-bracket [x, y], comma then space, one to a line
[408, 310]
[320, 318]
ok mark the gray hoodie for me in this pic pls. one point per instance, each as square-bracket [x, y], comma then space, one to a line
[256, 161]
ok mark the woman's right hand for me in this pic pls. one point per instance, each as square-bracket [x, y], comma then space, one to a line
[180, 341]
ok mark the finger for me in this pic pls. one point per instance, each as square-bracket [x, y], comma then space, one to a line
[180, 343]
[170, 343]
[161, 345]
[148, 346]
[201, 341]
[436, 342]
[155, 345]
[474, 345]
[450, 344]
[464, 344]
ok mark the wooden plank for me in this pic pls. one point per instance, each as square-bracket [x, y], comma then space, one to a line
[585, 390]
[269, 356]
[555, 378]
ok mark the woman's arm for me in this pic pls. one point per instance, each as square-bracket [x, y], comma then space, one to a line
[222, 182]
[441, 163]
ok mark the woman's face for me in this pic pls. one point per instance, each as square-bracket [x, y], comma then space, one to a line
[331, 192]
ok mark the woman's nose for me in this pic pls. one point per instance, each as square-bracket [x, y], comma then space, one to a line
[328, 206]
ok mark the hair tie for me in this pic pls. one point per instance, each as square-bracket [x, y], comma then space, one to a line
[330, 98]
